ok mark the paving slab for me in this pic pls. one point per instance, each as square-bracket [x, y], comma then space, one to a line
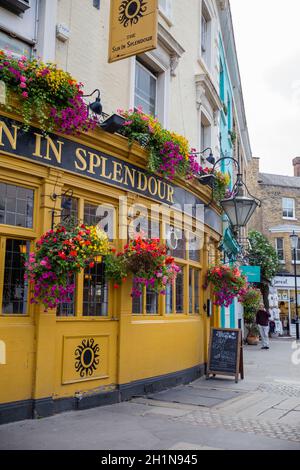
[215, 393]
[272, 414]
[292, 418]
[187, 395]
[289, 404]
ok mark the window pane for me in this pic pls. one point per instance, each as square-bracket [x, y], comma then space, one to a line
[100, 215]
[191, 306]
[145, 90]
[151, 302]
[179, 293]
[15, 288]
[17, 47]
[137, 305]
[95, 292]
[176, 242]
[194, 249]
[169, 299]
[197, 291]
[16, 205]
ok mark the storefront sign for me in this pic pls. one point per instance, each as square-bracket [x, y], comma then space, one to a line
[71, 156]
[133, 28]
[253, 273]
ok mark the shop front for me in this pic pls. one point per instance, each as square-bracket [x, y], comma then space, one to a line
[285, 287]
[102, 346]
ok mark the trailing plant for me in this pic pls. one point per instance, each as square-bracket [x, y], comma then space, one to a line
[262, 253]
[147, 261]
[50, 94]
[169, 153]
[228, 283]
[59, 254]
[233, 136]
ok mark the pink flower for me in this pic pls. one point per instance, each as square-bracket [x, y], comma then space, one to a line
[25, 94]
[23, 85]
[23, 79]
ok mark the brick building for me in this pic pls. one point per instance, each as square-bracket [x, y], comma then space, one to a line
[277, 219]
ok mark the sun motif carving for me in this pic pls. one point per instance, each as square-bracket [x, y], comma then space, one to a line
[86, 357]
[131, 11]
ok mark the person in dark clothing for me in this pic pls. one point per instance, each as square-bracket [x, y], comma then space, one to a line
[262, 320]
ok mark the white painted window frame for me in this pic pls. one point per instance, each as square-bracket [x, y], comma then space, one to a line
[286, 208]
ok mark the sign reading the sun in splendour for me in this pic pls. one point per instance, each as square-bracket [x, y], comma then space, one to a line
[133, 28]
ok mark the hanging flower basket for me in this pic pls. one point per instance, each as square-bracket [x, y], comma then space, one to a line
[228, 283]
[59, 255]
[45, 92]
[147, 261]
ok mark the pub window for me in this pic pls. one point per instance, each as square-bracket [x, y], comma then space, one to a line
[288, 208]
[101, 215]
[280, 248]
[147, 227]
[176, 242]
[194, 248]
[16, 205]
[194, 291]
[145, 94]
[175, 295]
[95, 292]
[146, 304]
[15, 288]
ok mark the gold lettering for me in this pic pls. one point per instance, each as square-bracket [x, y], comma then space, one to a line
[95, 162]
[56, 151]
[142, 185]
[117, 176]
[129, 175]
[38, 144]
[103, 169]
[170, 197]
[12, 138]
[160, 184]
[153, 192]
[81, 156]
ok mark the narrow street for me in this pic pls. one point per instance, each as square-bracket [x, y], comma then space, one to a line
[261, 412]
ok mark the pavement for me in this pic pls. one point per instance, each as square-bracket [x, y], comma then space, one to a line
[261, 412]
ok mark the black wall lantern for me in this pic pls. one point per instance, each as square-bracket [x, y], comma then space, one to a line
[96, 106]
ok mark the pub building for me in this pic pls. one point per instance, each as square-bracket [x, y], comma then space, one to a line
[103, 347]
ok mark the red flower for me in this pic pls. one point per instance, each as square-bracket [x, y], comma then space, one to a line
[62, 255]
[116, 286]
[74, 253]
[92, 264]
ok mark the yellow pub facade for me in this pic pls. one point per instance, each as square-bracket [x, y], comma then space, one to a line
[103, 347]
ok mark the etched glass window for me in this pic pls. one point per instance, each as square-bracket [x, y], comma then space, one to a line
[95, 292]
[15, 287]
[16, 205]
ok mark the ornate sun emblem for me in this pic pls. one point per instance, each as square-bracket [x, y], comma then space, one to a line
[131, 11]
[86, 357]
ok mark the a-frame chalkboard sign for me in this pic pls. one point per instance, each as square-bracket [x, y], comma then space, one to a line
[225, 356]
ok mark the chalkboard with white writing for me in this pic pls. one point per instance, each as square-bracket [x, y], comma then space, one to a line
[225, 353]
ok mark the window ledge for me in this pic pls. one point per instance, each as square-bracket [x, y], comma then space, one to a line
[289, 218]
[166, 17]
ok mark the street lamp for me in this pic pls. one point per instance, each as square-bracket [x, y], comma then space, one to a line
[294, 242]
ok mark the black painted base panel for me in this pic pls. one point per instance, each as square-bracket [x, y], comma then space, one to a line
[31, 409]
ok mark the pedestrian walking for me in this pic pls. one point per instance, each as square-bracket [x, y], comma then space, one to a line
[262, 320]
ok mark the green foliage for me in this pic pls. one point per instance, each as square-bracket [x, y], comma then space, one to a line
[264, 255]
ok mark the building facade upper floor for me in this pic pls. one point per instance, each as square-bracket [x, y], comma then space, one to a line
[180, 82]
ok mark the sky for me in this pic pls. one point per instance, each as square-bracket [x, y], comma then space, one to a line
[268, 44]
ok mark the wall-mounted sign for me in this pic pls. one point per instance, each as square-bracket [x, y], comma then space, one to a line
[133, 28]
[253, 273]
